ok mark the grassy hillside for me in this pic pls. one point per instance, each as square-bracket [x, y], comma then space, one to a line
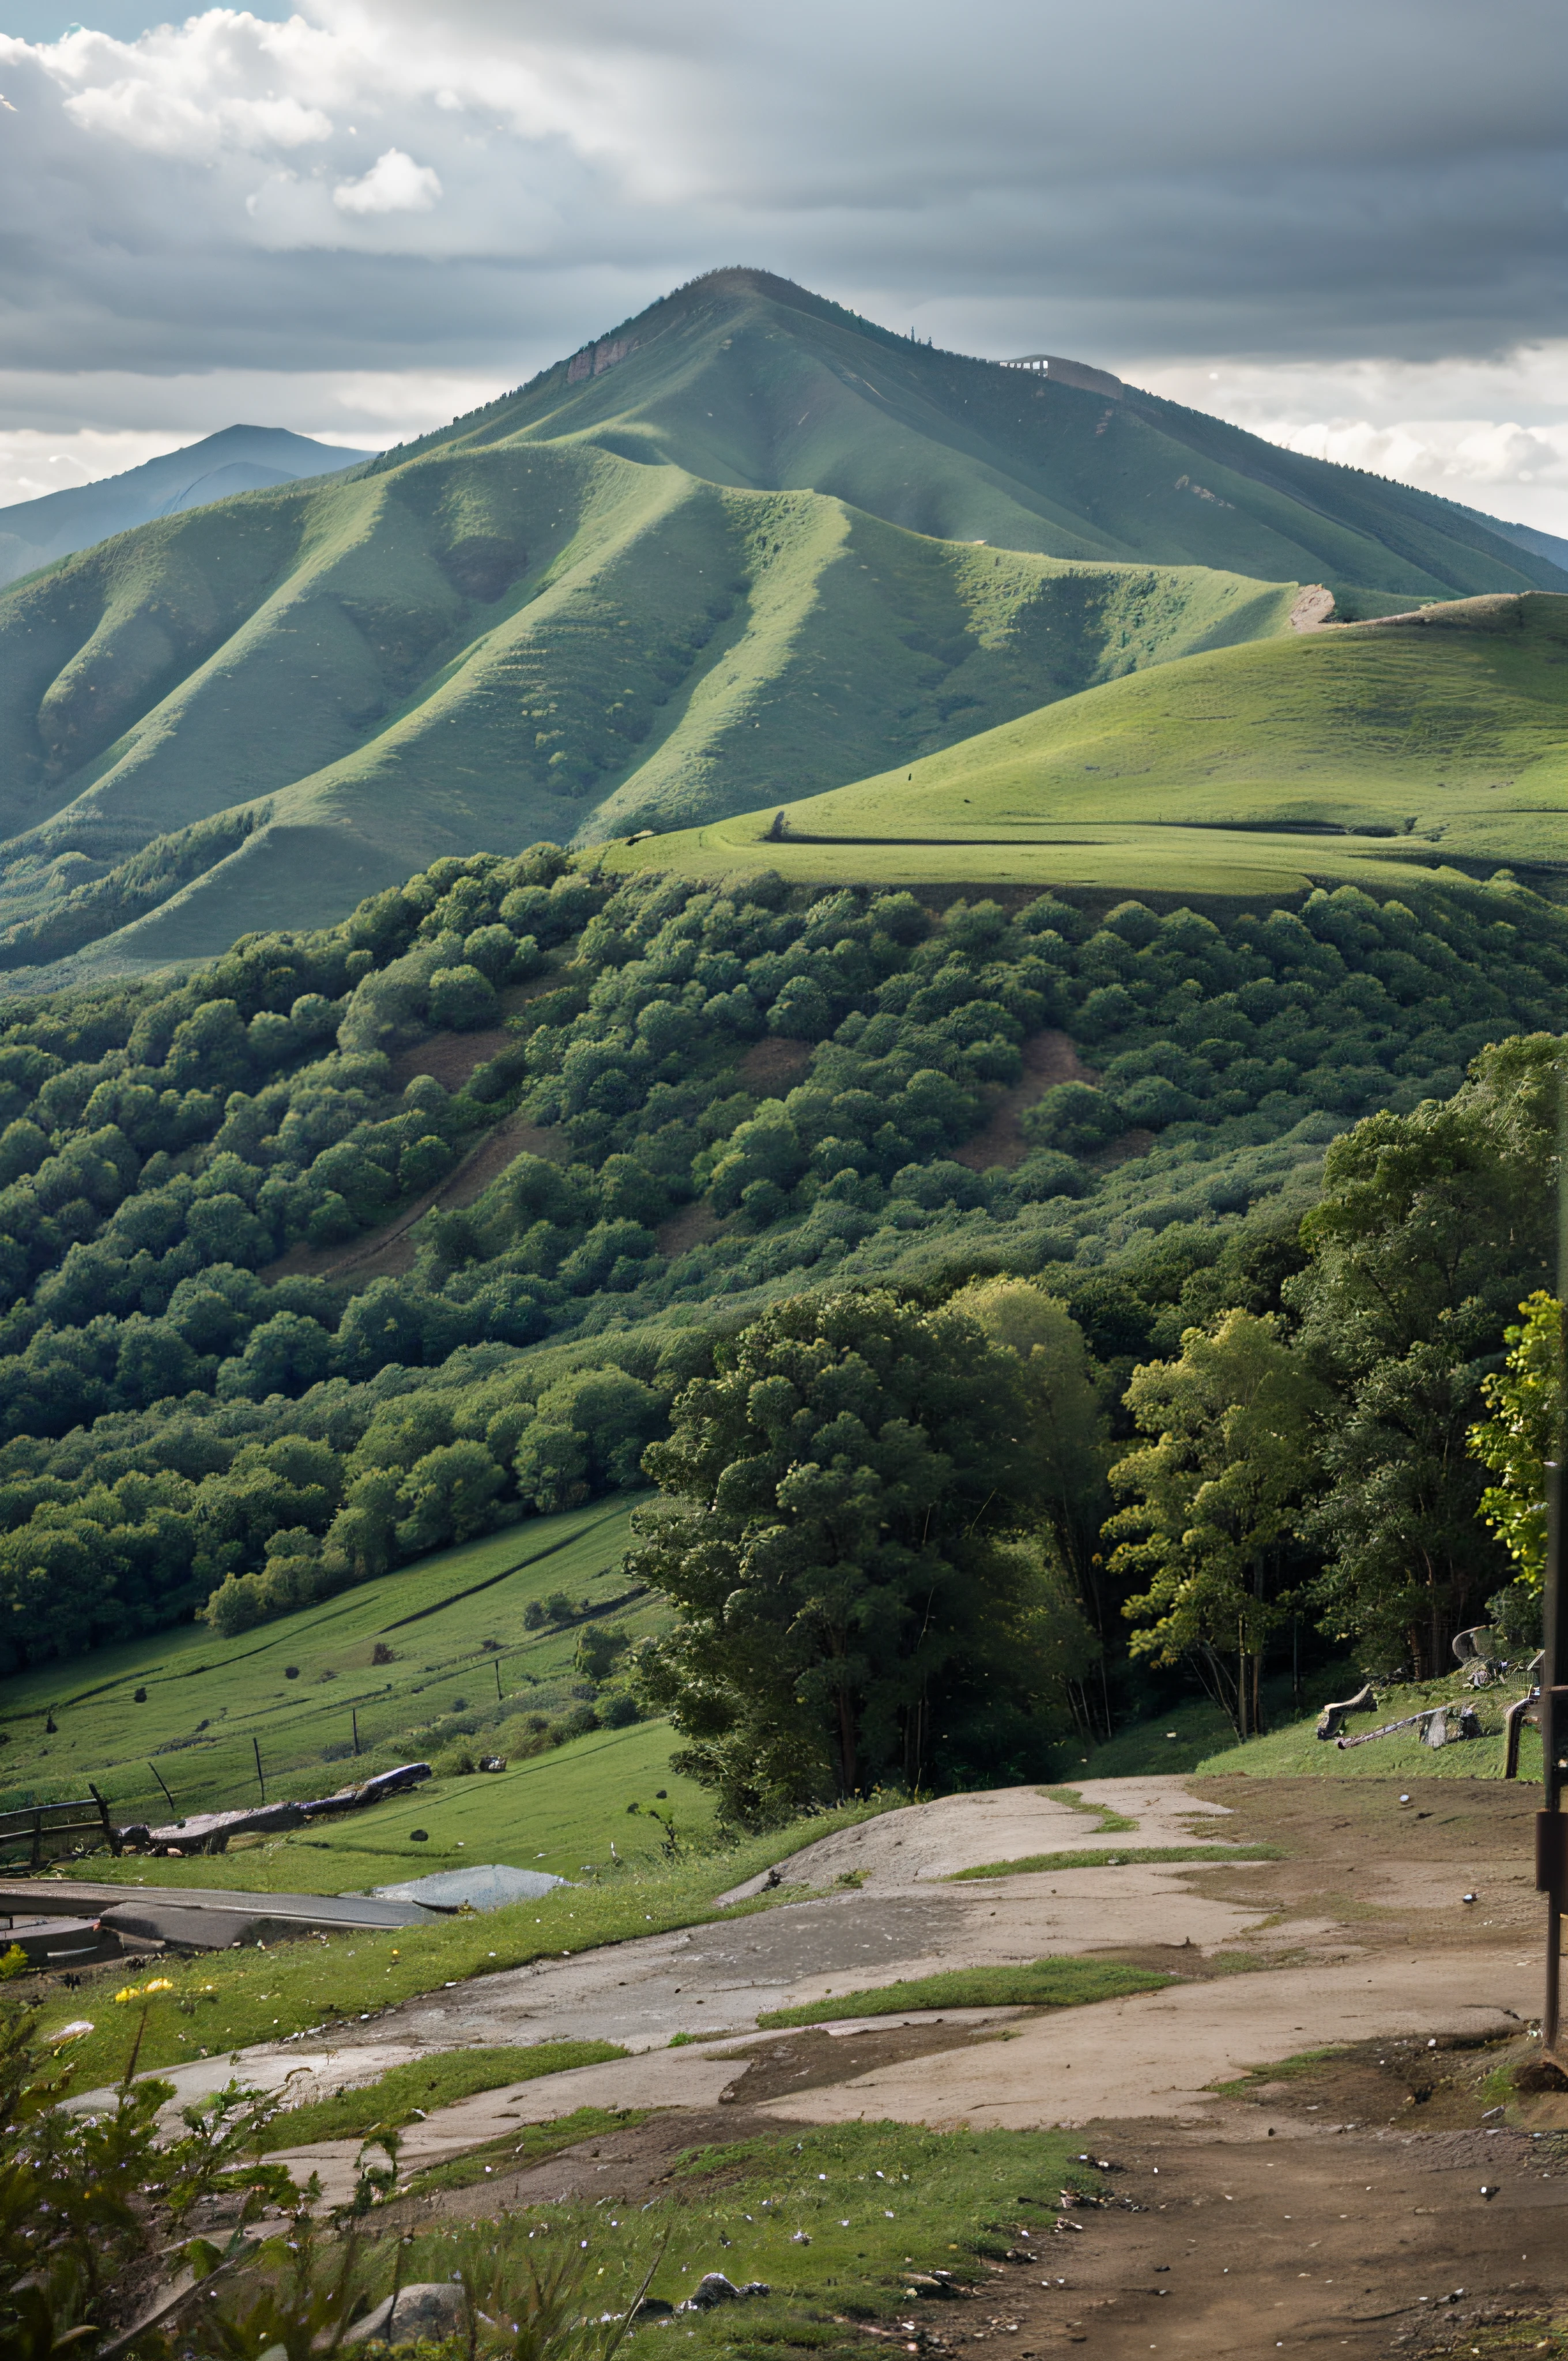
[744, 379]
[746, 549]
[488, 648]
[1369, 751]
[461, 1674]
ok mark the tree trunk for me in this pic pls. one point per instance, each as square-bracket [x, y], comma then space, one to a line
[848, 1763]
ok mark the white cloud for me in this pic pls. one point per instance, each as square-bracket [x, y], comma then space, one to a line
[369, 190]
[394, 184]
[34, 462]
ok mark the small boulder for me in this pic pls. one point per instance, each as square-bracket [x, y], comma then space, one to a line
[713, 2289]
[429, 2310]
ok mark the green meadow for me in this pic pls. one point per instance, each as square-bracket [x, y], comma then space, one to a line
[1374, 754]
[467, 1677]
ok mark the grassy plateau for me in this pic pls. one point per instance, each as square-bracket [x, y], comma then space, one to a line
[1368, 752]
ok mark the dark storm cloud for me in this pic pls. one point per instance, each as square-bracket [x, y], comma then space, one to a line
[483, 185]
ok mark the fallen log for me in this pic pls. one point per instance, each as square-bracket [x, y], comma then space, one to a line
[1433, 1722]
[371, 1791]
[211, 1831]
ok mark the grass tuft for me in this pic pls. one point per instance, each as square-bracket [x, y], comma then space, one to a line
[403, 2093]
[1107, 1857]
[1047, 1984]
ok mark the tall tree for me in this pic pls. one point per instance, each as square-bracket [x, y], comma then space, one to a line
[1431, 1229]
[835, 1538]
[1525, 1430]
[1212, 1500]
[1067, 1434]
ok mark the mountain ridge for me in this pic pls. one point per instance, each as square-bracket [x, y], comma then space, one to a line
[744, 547]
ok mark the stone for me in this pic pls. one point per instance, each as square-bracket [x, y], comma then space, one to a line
[713, 2289]
[430, 2308]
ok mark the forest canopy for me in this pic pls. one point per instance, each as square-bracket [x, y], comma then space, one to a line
[687, 1104]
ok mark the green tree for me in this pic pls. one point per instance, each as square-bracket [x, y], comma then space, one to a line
[1525, 1430]
[839, 1496]
[462, 998]
[1069, 1434]
[1432, 1228]
[1213, 1499]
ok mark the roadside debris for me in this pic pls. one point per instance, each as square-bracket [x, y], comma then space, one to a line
[210, 1831]
[1433, 1724]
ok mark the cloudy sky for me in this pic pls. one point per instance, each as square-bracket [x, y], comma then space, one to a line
[1345, 225]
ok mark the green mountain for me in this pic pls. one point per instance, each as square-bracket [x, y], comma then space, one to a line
[1432, 740]
[746, 547]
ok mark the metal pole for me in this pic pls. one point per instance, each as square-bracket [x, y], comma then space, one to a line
[497, 1680]
[167, 1796]
[1551, 1831]
[255, 1748]
[353, 1716]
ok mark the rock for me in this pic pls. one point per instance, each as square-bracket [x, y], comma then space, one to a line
[430, 2308]
[713, 2289]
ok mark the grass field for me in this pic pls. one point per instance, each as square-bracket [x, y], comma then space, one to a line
[832, 2223]
[210, 1704]
[1377, 752]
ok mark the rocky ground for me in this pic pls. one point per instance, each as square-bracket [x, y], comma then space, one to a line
[1256, 2204]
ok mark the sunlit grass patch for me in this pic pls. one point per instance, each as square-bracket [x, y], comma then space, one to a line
[1108, 1857]
[834, 2223]
[1047, 1984]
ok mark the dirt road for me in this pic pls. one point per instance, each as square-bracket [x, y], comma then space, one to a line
[1400, 1937]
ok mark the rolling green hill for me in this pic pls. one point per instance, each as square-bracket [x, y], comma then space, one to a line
[495, 649]
[1373, 751]
[461, 1674]
[746, 547]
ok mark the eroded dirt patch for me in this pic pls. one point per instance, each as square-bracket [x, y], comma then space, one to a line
[694, 1225]
[1049, 1058]
[388, 1252]
[773, 1066]
[449, 1058]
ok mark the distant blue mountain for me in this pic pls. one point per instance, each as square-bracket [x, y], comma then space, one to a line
[238, 460]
